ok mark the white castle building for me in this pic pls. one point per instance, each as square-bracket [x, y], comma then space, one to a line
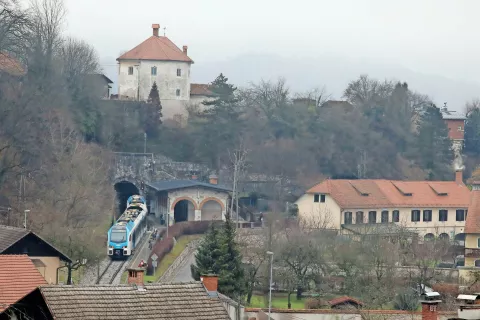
[158, 59]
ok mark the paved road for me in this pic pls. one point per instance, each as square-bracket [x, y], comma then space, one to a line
[184, 274]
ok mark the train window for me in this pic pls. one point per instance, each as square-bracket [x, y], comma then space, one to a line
[118, 236]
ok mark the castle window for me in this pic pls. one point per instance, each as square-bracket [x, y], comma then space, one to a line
[477, 263]
[322, 198]
[396, 216]
[177, 93]
[415, 215]
[460, 215]
[359, 217]
[384, 216]
[154, 71]
[478, 242]
[372, 217]
[316, 198]
[130, 71]
[427, 215]
[179, 72]
[442, 215]
[348, 217]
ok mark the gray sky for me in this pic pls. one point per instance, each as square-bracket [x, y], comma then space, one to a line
[437, 37]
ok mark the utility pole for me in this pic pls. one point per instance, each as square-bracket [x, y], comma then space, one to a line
[25, 220]
[145, 142]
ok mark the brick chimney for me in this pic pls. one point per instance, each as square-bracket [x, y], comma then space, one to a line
[185, 50]
[135, 276]
[210, 281]
[459, 176]
[430, 306]
[213, 179]
[155, 28]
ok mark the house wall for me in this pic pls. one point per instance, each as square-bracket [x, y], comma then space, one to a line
[50, 270]
[317, 212]
[167, 81]
[331, 211]
[471, 242]
[453, 129]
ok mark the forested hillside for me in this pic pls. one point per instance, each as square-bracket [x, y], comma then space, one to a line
[386, 130]
[47, 111]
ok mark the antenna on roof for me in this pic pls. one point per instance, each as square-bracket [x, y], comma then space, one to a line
[164, 32]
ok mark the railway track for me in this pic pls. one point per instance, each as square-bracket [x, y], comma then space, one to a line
[111, 272]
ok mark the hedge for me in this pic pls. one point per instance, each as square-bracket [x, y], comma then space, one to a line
[162, 247]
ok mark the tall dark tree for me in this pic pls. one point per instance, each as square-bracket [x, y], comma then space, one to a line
[472, 132]
[208, 254]
[434, 147]
[152, 112]
[231, 277]
[219, 126]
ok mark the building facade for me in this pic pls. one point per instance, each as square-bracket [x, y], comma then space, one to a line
[46, 258]
[431, 208]
[159, 60]
[472, 236]
[456, 128]
[188, 200]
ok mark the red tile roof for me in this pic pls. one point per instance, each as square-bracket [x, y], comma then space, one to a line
[200, 89]
[344, 299]
[156, 48]
[472, 225]
[10, 65]
[18, 277]
[391, 193]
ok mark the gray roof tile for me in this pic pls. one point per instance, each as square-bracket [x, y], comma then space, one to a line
[158, 301]
[181, 184]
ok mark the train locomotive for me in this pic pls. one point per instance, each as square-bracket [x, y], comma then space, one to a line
[126, 233]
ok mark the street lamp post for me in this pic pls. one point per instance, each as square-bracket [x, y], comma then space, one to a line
[270, 253]
[25, 218]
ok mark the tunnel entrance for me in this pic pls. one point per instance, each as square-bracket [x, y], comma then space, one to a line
[124, 189]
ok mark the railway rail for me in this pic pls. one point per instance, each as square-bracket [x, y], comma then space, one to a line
[111, 272]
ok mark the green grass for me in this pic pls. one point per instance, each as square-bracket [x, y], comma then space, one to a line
[280, 302]
[167, 261]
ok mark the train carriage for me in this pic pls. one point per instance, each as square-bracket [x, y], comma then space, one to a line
[126, 233]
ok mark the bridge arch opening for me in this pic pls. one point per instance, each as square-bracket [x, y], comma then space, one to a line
[184, 210]
[124, 189]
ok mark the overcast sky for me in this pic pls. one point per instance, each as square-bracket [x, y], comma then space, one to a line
[438, 37]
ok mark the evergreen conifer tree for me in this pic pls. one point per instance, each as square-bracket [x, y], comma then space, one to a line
[231, 280]
[219, 126]
[153, 112]
[472, 132]
[434, 147]
[207, 256]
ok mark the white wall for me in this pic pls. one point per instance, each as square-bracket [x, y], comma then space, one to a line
[331, 212]
[167, 81]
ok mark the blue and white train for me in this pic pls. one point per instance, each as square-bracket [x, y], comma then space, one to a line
[129, 229]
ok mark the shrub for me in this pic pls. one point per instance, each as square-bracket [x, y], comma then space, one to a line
[407, 300]
[164, 246]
